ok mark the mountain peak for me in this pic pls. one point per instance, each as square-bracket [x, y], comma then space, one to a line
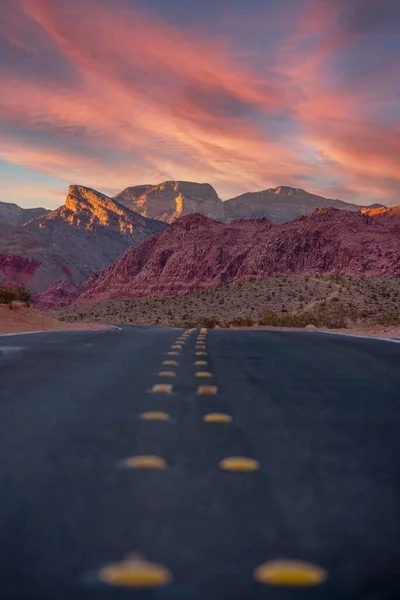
[169, 200]
[285, 190]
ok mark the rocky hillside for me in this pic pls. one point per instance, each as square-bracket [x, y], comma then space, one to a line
[15, 215]
[26, 259]
[172, 199]
[389, 216]
[93, 228]
[198, 253]
[281, 204]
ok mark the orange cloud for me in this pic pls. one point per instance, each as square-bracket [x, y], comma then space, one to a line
[134, 100]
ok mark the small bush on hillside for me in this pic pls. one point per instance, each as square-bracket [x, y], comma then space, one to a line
[240, 322]
[388, 320]
[8, 295]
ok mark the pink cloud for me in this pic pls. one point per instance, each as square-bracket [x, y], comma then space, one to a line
[170, 104]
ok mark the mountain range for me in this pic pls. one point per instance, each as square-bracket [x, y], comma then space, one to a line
[75, 241]
[12, 214]
[173, 199]
[197, 253]
[91, 231]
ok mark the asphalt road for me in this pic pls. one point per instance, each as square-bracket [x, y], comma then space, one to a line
[319, 416]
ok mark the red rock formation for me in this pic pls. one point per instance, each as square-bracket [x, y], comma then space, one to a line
[198, 253]
[62, 292]
[17, 270]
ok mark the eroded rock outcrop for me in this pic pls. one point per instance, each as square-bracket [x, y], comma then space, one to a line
[170, 200]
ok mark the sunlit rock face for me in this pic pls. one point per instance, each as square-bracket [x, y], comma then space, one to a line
[173, 199]
[390, 215]
[92, 228]
[197, 253]
[280, 205]
[15, 215]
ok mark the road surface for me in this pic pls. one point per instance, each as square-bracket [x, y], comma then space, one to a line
[316, 416]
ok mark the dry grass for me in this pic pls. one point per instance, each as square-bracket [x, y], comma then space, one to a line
[292, 301]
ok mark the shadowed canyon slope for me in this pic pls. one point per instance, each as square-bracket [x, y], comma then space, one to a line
[198, 253]
[81, 238]
[15, 215]
[26, 259]
[172, 199]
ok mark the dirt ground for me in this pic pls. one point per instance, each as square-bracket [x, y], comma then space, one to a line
[16, 317]
[369, 305]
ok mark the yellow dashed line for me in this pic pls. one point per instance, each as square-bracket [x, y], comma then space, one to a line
[239, 463]
[173, 353]
[290, 573]
[170, 362]
[162, 388]
[155, 416]
[200, 353]
[203, 374]
[167, 374]
[200, 347]
[201, 363]
[135, 572]
[207, 390]
[217, 418]
[145, 462]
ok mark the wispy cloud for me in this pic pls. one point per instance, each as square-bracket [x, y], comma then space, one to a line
[111, 95]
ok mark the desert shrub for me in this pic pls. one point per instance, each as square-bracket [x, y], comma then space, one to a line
[389, 319]
[20, 294]
[210, 322]
[240, 322]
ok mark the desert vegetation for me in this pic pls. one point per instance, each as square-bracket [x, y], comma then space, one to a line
[288, 301]
[8, 295]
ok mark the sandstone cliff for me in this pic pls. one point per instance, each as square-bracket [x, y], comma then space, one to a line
[172, 199]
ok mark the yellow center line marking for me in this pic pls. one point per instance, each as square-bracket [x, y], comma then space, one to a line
[145, 461]
[217, 418]
[200, 353]
[201, 363]
[162, 388]
[170, 362]
[135, 572]
[155, 416]
[203, 374]
[290, 573]
[200, 347]
[173, 353]
[207, 390]
[239, 463]
[167, 374]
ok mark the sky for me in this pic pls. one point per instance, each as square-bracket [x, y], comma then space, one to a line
[243, 94]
